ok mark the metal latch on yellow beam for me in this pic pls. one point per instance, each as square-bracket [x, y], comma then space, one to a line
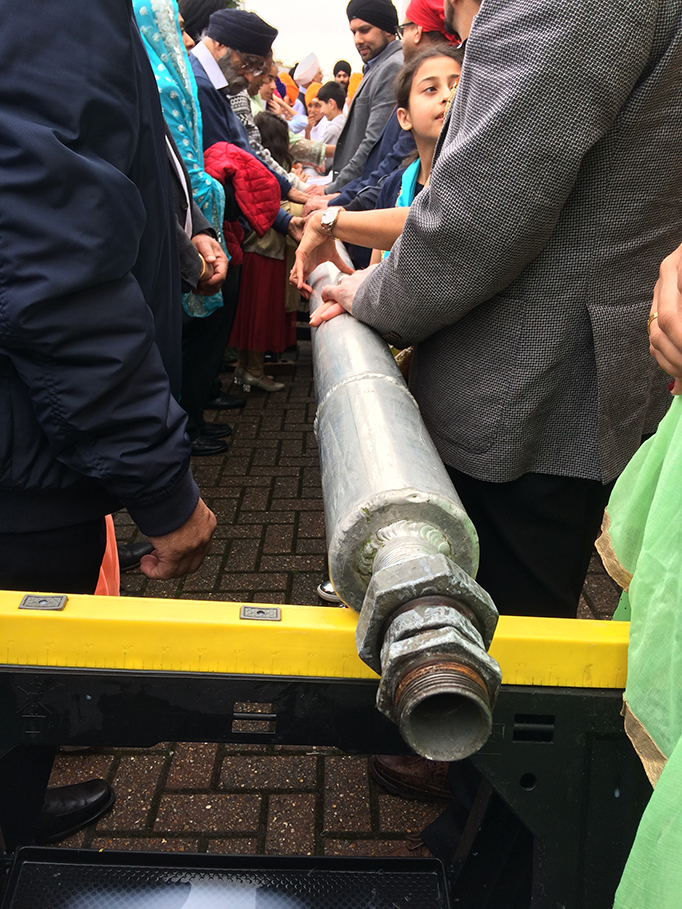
[261, 613]
[46, 603]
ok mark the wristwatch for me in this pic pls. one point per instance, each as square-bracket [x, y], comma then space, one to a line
[328, 219]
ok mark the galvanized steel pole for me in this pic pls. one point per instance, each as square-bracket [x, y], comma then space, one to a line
[402, 550]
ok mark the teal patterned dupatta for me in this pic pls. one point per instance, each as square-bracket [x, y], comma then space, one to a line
[158, 24]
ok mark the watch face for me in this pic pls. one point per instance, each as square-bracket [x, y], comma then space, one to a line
[328, 217]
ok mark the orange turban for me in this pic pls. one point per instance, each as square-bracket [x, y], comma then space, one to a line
[290, 85]
[311, 92]
[353, 83]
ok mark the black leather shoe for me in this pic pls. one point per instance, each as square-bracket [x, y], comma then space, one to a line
[204, 445]
[67, 809]
[411, 777]
[129, 554]
[216, 430]
[225, 402]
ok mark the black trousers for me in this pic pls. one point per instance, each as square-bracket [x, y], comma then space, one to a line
[66, 560]
[203, 344]
[536, 536]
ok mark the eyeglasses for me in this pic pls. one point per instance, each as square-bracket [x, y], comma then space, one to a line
[251, 63]
[400, 29]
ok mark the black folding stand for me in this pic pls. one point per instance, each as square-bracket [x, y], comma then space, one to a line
[558, 757]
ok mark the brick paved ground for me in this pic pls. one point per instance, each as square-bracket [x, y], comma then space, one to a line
[269, 548]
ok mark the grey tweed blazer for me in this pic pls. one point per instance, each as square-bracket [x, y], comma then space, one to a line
[370, 108]
[524, 273]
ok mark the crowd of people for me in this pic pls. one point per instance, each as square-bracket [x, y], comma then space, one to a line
[506, 177]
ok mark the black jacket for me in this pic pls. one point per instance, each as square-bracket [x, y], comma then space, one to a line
[190, 263]
[89, 277]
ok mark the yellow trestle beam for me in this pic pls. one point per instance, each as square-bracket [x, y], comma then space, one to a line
[137, 633]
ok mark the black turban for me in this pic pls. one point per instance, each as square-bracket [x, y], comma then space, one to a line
[196, 14]
[380, 13]
[242, 31]
[341, 66]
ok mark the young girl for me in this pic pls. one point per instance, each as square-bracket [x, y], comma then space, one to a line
[423, 89]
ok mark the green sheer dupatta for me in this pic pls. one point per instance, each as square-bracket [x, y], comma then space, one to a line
[641, 546]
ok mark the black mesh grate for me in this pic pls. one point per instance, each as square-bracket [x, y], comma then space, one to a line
[73, 886]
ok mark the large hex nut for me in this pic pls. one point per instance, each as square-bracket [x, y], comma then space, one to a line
[426, 575]
[431, 632]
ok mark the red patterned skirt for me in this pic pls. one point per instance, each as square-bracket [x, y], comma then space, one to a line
[262, 322]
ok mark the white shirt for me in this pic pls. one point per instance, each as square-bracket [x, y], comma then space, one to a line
[319, 131]
[207, 60]
[334, 129]
[183, 184]
[329, 135]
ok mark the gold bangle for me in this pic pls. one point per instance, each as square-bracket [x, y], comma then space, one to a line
[203, 266]
[654, 315]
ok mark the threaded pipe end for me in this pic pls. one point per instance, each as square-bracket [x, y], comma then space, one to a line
[443, 710]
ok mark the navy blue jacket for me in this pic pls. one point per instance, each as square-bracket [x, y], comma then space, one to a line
[221, 124]
[89, 278]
